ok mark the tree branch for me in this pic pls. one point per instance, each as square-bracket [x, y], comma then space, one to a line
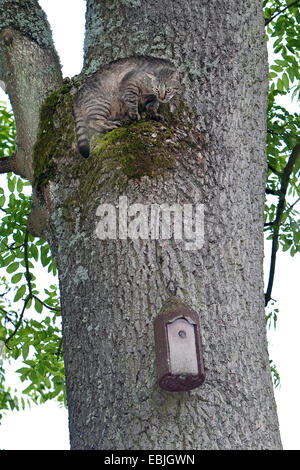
[273, 192]
[281, 134]
[53, 309]
[13, 164]
[278, 173]
[279, 211]
[293, 205]
[27, 274]
[18, 323]
[30, 69]
[268, 20]
[3, 310]
[269, 224]
[7, 164]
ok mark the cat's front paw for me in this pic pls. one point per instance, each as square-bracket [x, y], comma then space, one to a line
[156, 116]
[134, 115]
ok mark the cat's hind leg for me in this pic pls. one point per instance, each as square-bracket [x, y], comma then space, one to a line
[98, 114]
[101, 126]
[152, 110]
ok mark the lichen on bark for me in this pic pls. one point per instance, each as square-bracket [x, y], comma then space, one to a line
[27, 17]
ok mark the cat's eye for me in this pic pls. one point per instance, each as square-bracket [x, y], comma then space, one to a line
[168, 90]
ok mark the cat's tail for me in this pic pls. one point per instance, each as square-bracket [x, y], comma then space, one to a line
[82, 132]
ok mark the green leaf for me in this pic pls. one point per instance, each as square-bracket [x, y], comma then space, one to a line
[13, 267]
[34, 251]
[287, 245]
[20, 293]
[28, 389]
[38, 306]
[285, 81]
[41, 369]
[47, 382]
[33, 376]
[279, 85]
[291, 73]
[16, 278]
[44, 255]
[25, 351]
[20, 185]
[24, 370]
[11, 183]
[277, 68]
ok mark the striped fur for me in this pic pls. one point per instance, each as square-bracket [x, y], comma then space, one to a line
[121, 91]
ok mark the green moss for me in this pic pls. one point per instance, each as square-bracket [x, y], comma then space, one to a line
[138, 149]
[56, 134]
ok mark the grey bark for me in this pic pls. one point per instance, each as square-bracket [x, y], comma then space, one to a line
[30, 69]
[111, 291]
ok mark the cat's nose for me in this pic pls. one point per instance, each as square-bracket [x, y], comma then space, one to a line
[162, 96]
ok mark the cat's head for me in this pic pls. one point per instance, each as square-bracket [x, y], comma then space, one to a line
[165, 85]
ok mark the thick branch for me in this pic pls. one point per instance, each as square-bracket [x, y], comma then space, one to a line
[29, 67]
[7, 164]
[279, 211]
[102, 34]
[13, 163]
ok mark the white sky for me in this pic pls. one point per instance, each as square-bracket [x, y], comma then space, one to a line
[46, 426]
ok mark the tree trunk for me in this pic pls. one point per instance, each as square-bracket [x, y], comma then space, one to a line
[113, 289]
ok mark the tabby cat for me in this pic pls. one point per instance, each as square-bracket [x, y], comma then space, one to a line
[120, 91]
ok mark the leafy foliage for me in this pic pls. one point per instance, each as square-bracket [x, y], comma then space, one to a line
[283, 128]
[282, 26]
[275, 374]
[7, 131]
[29, 321]
[282, 18]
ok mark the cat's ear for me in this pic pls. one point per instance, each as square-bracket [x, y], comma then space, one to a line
[177, 75]
[151, 77]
